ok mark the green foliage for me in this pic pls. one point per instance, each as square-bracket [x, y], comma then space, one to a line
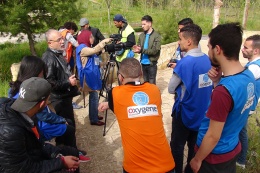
[253, 154]
[36, 16]
[13, 53]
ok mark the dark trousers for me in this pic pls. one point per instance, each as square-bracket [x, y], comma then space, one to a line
[225, 167]
[149, 73]
[68, 138]
[180, 135]
[63, 107]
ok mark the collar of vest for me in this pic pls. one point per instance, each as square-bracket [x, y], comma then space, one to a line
[133, 83]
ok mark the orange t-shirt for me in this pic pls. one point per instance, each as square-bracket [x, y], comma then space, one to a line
[138, 110]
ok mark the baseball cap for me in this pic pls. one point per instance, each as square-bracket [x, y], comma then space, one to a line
[119, 18]
[32, 91]
[83, 22]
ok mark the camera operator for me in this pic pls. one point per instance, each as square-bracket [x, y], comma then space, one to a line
[128, 38]
[89, 72]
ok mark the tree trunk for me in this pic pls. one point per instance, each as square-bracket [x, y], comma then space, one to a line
[247, 5]
[108, 2]
[218, 4]
[30, 38]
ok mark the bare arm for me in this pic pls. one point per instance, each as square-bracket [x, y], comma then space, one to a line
[209, 141]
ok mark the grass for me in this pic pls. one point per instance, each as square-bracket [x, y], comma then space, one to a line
[253, 155]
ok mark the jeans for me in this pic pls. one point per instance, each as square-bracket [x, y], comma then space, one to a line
[244, 144]
[180, 135]
[149, 73]
[93, 106]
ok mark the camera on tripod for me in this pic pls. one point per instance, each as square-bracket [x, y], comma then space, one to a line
[114, 46]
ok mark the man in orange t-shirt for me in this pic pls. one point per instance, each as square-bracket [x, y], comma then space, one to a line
[138, 110]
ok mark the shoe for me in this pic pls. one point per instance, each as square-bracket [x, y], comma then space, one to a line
[243, 166]
[99, 123]
[83, 158]
[100, 118]
[76, 106]
[83, 152]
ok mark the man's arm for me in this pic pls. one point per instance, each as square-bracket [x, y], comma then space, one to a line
[175, 81]
[255, 69]
[71, 39]
[209, 142]
[156, 47]
[221, 105]
[130, 41]
[15, 158]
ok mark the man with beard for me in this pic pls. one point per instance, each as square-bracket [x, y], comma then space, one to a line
[128, 38]
[218, 145]
[193, 87]
[251, 51]
[149, 45]
[21, 150]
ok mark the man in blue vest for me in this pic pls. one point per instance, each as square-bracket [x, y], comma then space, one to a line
[251, 51]
[193, 87]
[149, 45]
[218, 146]
[128, 37]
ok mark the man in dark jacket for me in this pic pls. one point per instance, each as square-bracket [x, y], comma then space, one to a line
[149, 45]
[63, 83]
[84, 24]
[20, 148]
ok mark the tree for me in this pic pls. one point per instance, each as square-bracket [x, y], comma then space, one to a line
[218, 4]
[35, 16]
[247, 4]
[108, 2]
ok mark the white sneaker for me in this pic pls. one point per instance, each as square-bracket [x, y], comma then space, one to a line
[241, 165]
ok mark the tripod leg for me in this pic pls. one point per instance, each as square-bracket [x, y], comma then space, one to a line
[84, 97]
[104, 130]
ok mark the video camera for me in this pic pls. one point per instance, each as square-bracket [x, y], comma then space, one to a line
[173, 60]
[114, 46]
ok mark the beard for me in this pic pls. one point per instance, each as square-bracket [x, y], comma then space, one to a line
[214, 62]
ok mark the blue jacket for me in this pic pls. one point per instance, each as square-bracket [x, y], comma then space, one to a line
[90, 73]
[193, 101]
[243, 97]
[257, 87]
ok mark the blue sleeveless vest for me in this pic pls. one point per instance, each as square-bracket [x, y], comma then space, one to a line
[241, 88]
[90, 73]
[257, 83]
[192, 70]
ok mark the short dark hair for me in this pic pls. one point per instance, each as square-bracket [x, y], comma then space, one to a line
[192, 31]
[256, 41]
[71, 25]
[147, 18]
[130, 68]
[185, 21]
[229, 38]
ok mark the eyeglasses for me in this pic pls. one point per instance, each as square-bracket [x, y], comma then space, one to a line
[118, 73]
[58, 40]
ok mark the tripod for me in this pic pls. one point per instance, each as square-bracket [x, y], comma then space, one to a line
[107, 81]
